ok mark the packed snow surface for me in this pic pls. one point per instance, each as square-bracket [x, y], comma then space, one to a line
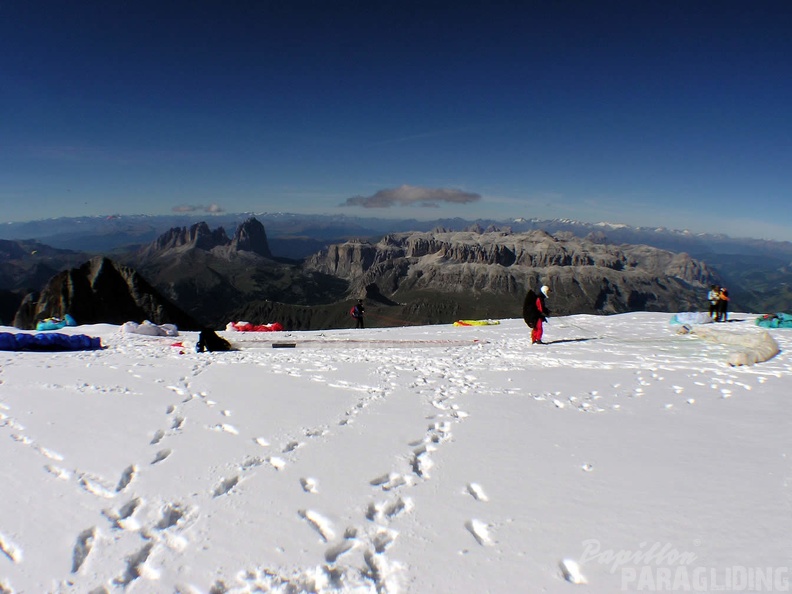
[434, 459]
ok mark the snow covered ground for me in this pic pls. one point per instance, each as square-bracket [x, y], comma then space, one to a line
[433, 459]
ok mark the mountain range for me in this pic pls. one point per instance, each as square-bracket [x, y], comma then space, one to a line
[307, 269]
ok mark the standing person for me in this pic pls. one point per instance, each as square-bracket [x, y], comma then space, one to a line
[357, 312]
[535, 313]
[712, 297]
[723, 305]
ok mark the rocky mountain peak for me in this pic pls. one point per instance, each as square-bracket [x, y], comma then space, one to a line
[100, 291]
[250, 236]
[477, 267]
[198, 236]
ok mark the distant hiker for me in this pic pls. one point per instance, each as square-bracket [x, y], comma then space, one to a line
[357, 312]
[535, 312]
[723, 305]
[712, 297]
[210, 341]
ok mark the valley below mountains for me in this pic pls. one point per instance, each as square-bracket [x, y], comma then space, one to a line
[205, 278]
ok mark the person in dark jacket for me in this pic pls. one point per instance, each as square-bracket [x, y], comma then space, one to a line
[357, 312]
[723, 305]
[535, 312]
[209, 340]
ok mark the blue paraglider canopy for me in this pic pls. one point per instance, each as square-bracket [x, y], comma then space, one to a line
[48, 342]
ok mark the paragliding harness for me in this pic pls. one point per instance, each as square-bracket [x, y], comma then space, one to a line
[530, 312]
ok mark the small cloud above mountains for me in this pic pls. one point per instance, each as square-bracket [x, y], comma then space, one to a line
[412, 196]
[211, 208]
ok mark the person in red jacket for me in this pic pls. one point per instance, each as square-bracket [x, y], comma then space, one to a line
[357, 312]
[535, 312]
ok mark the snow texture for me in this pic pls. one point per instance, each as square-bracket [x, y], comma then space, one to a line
[420, 459]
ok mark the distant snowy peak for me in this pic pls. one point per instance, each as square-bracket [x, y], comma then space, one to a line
[611, 225]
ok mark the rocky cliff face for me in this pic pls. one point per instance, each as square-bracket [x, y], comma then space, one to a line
[494, 269]
[100, 291]
[250, 236]
[210, 275]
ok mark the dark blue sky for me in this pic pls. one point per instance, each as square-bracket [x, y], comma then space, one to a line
[672, 113]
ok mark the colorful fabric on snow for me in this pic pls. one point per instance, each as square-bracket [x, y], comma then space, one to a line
[248, 327]
[777, 320]
[55, 323]
[48, 342]
[476, 322]
[691, 317]
[150, 329]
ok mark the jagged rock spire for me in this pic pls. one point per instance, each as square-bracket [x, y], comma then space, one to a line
[251, 237]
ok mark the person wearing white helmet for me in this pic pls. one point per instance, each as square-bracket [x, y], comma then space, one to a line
[535, 312]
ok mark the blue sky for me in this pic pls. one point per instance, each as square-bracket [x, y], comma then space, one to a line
[657, 113]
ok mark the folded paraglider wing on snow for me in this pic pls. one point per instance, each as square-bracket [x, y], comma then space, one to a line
[48, 342]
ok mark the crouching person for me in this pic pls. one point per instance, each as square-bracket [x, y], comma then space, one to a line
[208, 340]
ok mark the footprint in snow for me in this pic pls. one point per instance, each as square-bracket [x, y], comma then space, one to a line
[421, 462]
[480, 532]
[225, 486]
[225, 428]
[172, 514]
[309, 485]
[47, 453]
[291, 446]
[477, 492]
[570, 570]
[388, 510]
[160, 456]
[136, 567]
[122, 519]
[82, 548]
[126, 478]
[383, 539]
[388, 482]
[276, 463]
[334, 552]
[58, 472]
[315, 432]
[9, 549]
[95, 487]
[252, 462]
[319, 523]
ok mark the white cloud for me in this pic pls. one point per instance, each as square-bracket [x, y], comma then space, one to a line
[212, 208]
[411, 196]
